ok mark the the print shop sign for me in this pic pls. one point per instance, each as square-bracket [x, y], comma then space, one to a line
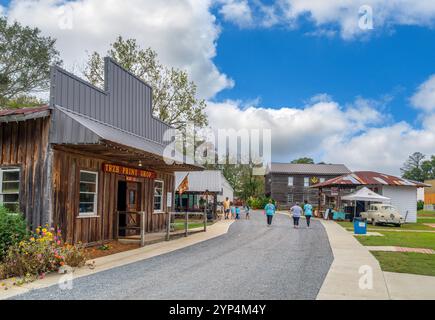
[129, 172]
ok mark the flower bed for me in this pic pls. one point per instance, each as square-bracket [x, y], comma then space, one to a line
[42, 253]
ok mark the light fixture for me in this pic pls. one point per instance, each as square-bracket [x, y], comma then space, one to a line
[140, 163]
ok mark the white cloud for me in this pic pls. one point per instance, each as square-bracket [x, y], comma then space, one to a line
[237, 11]
[424, 98]
[183, 32]
[359, 134]
[344, 15]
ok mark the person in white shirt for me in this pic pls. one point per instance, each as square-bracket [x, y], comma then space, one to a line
[296, 211]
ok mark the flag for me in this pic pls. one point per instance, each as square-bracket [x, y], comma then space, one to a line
[184, 185]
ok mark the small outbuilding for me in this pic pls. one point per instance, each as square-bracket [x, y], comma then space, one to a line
[402, 192]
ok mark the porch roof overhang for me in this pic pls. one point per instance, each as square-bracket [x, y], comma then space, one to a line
[117, 144]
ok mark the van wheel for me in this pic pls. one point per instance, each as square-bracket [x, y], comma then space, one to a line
[373, 222]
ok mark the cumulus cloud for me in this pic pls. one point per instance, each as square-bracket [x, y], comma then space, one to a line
[183, 32]
[357, 134]
[424, 98]
[237, 11]
[344, 15]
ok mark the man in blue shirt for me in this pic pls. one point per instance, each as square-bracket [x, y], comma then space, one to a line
[308, 210]
[269, 210]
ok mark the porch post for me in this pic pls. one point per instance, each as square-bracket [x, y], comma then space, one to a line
[142, 229]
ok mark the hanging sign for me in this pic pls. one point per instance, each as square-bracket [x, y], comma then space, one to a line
[132, 172]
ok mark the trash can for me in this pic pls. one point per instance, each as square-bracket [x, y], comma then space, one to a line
[360, 226]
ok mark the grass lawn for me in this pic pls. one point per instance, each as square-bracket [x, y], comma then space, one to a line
[401, 239]
[179, 224]
[423, 213]
[410, 226]
[407, 262]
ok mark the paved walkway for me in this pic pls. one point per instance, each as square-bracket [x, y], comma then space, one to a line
[351, 257]
[251, 261]
[400, 249]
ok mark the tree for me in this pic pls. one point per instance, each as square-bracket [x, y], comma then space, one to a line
[174, 95]
[417, 168]
[25, 60]
[303, 160]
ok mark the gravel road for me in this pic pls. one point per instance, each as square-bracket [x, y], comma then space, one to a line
[252, 261]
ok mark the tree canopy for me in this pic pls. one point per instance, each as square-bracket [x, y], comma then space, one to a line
[25, 60]
[174, 95]
[305, 160]
[418, 168]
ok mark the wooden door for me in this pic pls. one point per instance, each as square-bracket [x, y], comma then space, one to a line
[133, 205]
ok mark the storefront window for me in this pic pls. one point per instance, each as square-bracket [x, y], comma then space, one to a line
[158, 196]
[10, 188]
[88, 193]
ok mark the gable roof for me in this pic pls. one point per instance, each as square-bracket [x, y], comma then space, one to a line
[200, 181]
[302, 168]
[368, 178]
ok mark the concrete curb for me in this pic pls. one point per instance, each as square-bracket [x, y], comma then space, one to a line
[352, 266]
[120, 259]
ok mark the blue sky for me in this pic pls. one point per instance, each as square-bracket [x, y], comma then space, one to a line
[259, 63]
[283, 68]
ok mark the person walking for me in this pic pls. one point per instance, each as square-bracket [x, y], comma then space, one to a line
[237, 213]
[269, 210]
[247, 209]
[296, 211]
[308, 211]
[227, 208]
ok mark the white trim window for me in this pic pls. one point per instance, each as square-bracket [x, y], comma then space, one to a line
[10, 188]
[321, 180]
[291, 181]
[88, 193]
[306, 182]
[290, 198]
[158, 196]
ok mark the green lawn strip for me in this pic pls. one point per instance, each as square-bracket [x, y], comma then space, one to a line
[401, 239]
[179, 224]
[406, 262]
[408, 226]
[426, 214]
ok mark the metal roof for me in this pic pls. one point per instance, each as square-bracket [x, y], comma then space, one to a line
[110, 133]
[22, 114]
[211, 180]
[368, 178]
[302, 168]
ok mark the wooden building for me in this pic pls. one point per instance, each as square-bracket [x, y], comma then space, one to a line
[289, 184]
[91, 161]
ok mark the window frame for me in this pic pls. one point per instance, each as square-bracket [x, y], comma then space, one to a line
[292, 198]
[306, 179]
[292, 180]
[95, 212]
[2, 194]
[162, 206]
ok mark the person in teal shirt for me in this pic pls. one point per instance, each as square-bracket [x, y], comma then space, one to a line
[269, 210]
[308, 211]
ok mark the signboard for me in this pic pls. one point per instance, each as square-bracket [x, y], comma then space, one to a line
[131, 172]
[169, 200]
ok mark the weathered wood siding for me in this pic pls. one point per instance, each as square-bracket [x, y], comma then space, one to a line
[24, 144]
[90, 230]
[277, 187]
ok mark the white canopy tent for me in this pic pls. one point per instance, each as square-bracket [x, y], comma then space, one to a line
[365, 194]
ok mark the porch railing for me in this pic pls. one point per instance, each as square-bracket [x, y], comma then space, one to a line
[142, 225]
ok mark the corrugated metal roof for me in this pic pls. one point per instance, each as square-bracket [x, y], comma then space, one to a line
[368, 178]
[302, 168]
[24, 113]
[211, 180]
[110, 133]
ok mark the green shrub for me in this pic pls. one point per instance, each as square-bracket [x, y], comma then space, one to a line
[259, 203]
[13, 229]
[420, 205]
